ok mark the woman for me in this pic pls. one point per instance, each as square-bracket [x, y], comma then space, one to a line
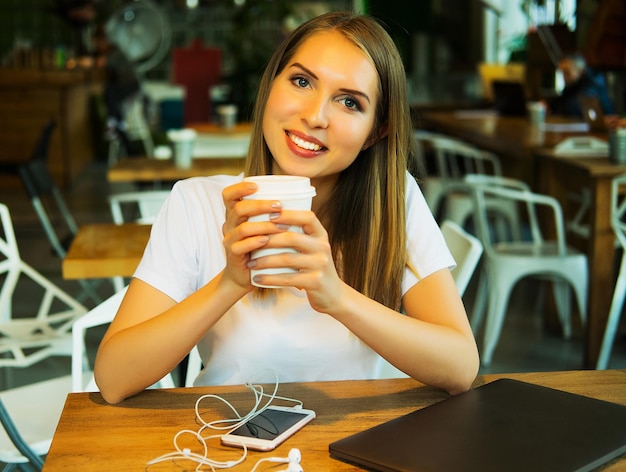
[332, 106]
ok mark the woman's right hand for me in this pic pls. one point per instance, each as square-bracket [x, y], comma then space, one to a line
[241, 236]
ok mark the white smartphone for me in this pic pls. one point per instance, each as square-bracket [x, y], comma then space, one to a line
[267, 430]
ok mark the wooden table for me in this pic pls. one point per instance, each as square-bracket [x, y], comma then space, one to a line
[512, 138]
[561, 175]
[145, 169]
[216, 129]
[92, 435]
[106, 250]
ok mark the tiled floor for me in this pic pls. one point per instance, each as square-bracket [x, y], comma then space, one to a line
[526, 343]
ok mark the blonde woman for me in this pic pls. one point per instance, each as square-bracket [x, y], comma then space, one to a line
[373, 271]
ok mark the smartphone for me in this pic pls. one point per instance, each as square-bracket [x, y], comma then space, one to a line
[267, 430]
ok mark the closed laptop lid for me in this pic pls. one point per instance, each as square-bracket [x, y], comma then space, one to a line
[506, 425]
[592, 113]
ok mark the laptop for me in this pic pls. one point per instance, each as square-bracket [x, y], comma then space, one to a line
[509, 98]
[506, 425]
[592, 113]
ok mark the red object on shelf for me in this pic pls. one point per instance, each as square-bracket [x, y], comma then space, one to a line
[197, 68]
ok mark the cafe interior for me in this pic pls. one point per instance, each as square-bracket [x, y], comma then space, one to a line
[106, 104]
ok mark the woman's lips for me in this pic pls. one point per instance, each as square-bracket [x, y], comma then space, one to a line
[304, 147]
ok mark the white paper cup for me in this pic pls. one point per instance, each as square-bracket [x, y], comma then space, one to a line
[227, 116]
[294, 193]
[183, 141]
[537, 113]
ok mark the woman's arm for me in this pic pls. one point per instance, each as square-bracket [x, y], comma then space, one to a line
[151, 334]
[433, 343]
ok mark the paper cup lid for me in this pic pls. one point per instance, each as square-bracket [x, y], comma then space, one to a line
[276, 186]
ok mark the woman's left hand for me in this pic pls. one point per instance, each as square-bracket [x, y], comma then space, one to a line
[316, 274]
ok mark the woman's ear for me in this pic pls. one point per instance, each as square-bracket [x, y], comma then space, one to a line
[375, 136]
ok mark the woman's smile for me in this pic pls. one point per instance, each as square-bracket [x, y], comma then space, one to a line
[304, 146]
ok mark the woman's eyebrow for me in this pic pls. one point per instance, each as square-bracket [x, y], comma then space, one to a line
[350, 91]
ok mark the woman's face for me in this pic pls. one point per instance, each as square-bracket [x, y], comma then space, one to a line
[321, 108]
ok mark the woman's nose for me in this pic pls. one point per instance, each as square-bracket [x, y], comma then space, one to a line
[316, 112]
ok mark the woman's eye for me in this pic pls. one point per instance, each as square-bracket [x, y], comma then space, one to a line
[300, 81]
[351, 103]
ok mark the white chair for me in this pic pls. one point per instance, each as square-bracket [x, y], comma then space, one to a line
[30, 417]
[31, 411]
[618, 221]
[27, 338]
[466, 250]
[101, 315]
[508, 261]
[454, 159]
[142, 205]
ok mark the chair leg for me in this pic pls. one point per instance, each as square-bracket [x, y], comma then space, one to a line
[48, 228]
[88, 291]
[17, 439]
[498, 300]
[480, 302]
[562, 297]
[619, 294]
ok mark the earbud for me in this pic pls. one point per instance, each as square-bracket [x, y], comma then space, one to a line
[294, 457]
[293, 467]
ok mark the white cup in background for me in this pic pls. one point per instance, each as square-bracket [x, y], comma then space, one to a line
[536, 113]
[183, 141]
[227, 116]
[294, 193]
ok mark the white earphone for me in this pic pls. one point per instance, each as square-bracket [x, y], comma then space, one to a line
[293, 459]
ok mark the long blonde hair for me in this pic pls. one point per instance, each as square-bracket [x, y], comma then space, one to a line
[367, 220]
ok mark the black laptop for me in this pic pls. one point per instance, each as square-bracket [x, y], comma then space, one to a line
[506, 425]
[592, 113]
[509, 98]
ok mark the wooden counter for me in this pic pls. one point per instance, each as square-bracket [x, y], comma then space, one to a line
[29, 98]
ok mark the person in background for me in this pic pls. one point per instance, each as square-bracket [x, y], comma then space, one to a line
[579, 81]
[372, 267]
[121, 86]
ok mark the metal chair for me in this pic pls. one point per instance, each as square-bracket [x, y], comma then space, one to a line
[49, 205]
[27, 338]
[29, 414]
[454, 159]
[508, 261]
[140, 207]
[618, 221]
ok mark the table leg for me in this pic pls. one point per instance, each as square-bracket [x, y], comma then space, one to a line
[601, 257]
[557, 179]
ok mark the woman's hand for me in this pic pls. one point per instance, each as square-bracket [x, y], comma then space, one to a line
[316, 272]
[240, 236]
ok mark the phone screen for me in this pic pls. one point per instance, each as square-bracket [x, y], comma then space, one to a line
[269, 424]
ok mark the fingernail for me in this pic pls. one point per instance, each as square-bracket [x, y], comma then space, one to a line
[277, 204]
[273, 216]
[282, 226]
[251, 263]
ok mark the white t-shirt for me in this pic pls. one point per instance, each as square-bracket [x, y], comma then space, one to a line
[281, 333]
